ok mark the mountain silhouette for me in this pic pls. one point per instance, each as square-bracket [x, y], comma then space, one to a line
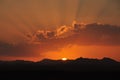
[77, 65]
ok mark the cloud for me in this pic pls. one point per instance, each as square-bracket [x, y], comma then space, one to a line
[89, 34]
[18, 50]
[43, 41]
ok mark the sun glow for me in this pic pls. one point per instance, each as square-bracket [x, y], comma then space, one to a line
[64, 59]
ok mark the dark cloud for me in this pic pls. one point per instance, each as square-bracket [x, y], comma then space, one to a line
[17, 50]
[98, 34]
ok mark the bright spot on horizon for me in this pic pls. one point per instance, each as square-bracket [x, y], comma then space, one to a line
[64, 59]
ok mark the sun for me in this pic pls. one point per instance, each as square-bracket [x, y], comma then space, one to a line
[64, 59]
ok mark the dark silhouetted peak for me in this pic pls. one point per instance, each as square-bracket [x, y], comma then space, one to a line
[16, 62]
[22, 61]
[49, 61]
[108, 60]
[86, 60]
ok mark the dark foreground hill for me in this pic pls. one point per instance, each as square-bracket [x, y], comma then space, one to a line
[78, 65]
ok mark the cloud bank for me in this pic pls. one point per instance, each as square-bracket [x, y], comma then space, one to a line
[82, 34]
[43, 41]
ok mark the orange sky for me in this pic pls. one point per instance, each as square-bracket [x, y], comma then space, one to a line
[38, 29]
[74, 52]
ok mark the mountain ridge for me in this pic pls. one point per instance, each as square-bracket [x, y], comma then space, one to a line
[77, 65]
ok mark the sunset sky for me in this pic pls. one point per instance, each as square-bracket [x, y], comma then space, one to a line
[38, 29]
